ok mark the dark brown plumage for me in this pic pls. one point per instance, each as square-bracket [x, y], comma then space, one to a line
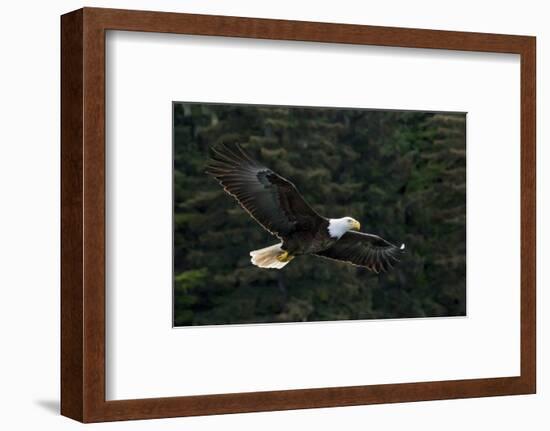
[363, 249]
[275, 203]
[270, 199]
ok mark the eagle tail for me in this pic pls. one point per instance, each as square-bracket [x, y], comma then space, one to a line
[270, 257]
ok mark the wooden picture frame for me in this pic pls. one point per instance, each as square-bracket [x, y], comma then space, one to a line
[83, 214]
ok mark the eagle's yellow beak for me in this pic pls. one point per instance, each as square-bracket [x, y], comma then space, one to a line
[356, 225]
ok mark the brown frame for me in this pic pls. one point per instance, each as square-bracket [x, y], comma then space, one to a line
[83, 214]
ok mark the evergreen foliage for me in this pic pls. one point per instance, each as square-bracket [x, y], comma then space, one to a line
[401, 174]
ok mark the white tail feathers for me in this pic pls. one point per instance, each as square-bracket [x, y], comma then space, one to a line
[267, 257]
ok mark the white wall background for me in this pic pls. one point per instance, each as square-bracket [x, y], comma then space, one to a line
[29, 228]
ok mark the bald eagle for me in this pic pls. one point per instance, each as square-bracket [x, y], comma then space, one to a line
[275, 203]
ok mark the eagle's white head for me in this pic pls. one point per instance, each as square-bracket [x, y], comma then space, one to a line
[339, 226]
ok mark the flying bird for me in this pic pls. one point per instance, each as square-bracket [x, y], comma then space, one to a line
[275, 203]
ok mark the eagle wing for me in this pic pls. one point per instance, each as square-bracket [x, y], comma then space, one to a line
[363, 249]
[273, 201]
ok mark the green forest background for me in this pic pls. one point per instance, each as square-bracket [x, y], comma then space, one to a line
[402, 174]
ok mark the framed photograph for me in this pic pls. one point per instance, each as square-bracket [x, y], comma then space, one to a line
[267, 215]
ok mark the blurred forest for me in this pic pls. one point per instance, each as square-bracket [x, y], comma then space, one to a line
[402, 174]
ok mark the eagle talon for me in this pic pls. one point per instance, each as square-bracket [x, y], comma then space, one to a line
[285, 257]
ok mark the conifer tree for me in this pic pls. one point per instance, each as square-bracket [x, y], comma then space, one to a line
[401, 174]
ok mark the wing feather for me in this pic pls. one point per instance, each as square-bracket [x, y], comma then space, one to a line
[271, 200]
[366, 250]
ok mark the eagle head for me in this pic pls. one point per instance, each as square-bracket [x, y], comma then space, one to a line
[339, 226]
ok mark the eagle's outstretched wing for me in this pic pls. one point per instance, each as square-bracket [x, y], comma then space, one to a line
[363, 249]
[273, 201]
